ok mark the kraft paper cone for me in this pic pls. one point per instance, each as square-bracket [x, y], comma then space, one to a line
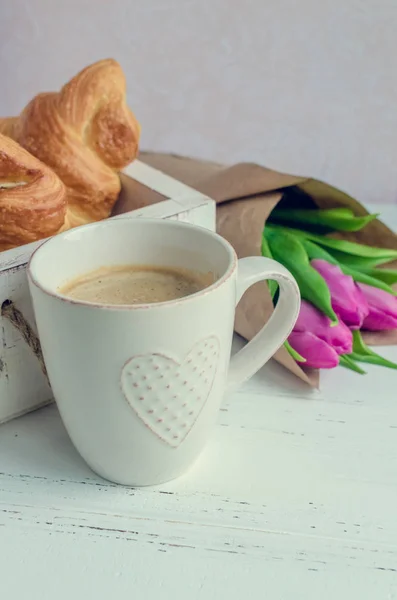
[246, 194]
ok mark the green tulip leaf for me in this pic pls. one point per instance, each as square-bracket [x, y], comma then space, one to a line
[273, 287]
[356, 262]
[335, 219]
[375, 256]
[362, 353]
[271, 283]
[289, 251]
[295, 355]
[374, 359]
[347, 361]
[314, 251]
[265, 248]
[382, 254]
[389, 276]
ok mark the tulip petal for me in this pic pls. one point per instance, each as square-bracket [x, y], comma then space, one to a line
[347, 299]
[379, 321]
[361, 277]
[318, 353]
[312, 320]
[382, 309]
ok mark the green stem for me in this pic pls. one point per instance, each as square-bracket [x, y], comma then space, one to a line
[346, 361]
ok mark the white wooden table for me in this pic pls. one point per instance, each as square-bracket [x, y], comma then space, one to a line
[295, 497]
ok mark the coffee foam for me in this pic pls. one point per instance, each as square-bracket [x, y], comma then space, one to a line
[136, 284]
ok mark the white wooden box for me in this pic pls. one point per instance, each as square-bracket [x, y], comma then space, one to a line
[23, 386]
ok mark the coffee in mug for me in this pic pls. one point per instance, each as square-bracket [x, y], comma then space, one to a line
[136, 284]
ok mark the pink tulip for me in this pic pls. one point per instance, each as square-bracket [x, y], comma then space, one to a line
[318, 342]
[347, 299]
[382, 309]
[318, 353]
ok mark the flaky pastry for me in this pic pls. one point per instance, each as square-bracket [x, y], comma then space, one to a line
[86, 134]
[32, 197]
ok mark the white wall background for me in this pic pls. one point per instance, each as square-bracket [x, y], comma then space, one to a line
[305, 86]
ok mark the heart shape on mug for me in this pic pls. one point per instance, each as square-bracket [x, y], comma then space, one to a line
[168, 395]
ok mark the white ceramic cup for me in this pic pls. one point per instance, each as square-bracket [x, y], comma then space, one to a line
[139, 387]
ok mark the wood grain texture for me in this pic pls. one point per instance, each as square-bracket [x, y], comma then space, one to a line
[294, 497]
[296, 490]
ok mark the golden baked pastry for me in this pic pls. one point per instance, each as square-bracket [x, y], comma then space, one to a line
[86, 134]
[32, 197]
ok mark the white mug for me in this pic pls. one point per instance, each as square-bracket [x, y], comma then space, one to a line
[139, 387]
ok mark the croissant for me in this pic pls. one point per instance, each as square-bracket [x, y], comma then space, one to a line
[32, 197]
[86, 134]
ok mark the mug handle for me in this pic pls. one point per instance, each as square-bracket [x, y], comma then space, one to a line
[268, 340]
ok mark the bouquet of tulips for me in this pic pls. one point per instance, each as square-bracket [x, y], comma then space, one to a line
[346, 289]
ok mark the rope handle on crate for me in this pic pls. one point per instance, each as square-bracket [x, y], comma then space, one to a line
[10, 312]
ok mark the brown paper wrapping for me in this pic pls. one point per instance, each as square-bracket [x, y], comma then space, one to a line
[246, 194]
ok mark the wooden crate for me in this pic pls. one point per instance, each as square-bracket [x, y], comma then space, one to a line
[150, 193]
